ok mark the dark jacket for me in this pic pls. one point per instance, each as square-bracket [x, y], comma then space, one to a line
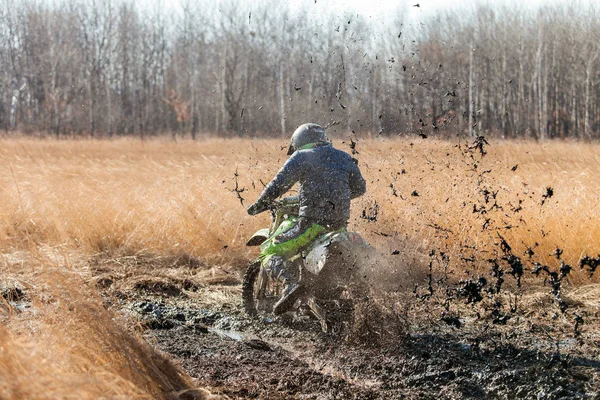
[328, 179]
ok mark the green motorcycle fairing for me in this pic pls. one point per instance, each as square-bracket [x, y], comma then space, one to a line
[289, 248]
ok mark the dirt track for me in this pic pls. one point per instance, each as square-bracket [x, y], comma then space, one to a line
[244, 358]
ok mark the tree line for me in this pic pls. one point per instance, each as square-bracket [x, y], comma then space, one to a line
[111, 67]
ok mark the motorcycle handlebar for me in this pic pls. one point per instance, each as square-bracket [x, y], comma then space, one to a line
[259, 207]
[286, 201]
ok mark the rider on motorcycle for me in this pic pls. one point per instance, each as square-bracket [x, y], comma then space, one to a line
[328, 179]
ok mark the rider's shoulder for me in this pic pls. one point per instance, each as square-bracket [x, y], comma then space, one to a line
[297, 158]
[341, 153]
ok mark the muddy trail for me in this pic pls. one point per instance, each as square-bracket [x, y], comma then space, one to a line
[275, 358]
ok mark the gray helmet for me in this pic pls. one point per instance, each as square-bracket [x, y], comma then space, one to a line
[306, 134]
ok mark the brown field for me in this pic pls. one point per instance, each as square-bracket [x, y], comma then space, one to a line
[75, 212]
[129, 197]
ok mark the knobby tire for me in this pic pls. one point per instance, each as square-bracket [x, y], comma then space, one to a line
[248, 287]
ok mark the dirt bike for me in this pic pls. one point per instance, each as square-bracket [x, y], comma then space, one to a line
[328, 270]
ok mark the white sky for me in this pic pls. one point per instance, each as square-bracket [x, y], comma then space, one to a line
[427, 8]
[379, 8]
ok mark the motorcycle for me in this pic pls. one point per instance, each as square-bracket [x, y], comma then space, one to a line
[329, 271]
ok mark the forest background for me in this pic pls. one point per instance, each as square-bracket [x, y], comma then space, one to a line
[118, 68]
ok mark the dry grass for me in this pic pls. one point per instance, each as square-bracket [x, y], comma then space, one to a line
[59, 341]
[129, 197]
[166, 201]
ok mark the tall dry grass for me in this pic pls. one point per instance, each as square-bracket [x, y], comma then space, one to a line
[129, 197]
[58, 341]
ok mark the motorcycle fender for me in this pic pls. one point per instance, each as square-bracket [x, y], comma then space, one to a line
[258, 238]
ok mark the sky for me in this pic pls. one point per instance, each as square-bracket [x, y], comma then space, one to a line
[377, 8]
[380, 9]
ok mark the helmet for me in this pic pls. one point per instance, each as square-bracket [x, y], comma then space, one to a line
[306, 134]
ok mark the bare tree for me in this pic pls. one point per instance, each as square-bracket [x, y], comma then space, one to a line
[111, 67]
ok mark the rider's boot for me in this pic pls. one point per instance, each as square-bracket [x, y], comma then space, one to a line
[291, 291]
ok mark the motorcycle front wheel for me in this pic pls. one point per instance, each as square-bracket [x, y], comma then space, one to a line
[259, 292]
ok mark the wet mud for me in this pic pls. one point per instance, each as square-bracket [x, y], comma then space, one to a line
[290, 358]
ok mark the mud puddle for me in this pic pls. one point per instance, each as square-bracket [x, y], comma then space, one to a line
[272, 358]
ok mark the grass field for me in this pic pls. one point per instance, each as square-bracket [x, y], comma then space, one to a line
[161, 197]
[68, 206]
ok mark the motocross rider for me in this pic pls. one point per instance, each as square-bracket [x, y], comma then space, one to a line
[328, 179]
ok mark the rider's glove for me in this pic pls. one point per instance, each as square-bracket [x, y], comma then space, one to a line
[257, 208]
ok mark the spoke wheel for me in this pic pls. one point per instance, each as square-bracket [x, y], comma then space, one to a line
[259, 292]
